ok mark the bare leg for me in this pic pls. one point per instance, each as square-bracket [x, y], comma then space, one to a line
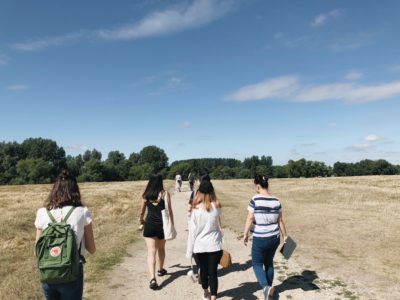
[151, 256]
[160, 245]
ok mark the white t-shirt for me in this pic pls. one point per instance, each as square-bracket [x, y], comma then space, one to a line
[79, 218]
[204, 231]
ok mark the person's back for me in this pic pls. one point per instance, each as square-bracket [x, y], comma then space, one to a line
[65, 195]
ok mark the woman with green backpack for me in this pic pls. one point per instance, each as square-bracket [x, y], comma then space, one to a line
[63, 233]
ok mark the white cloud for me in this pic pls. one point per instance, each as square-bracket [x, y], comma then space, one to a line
[185, 124]
[198, 14]
[321, 19]
[354, 75]
[289, 88]
[332, 125]
[77, 147]
[179, 18]
[279, 87]
[175, 81]
[372, 138]
[18, 87]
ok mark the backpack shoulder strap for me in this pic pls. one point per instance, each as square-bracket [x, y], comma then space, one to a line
[51, 216]
[68, 214]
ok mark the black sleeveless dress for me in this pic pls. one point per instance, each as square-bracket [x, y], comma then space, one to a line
[153, 225]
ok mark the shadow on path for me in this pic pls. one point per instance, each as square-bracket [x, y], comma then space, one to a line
[303, 281]
[173, 276]
[243, 291]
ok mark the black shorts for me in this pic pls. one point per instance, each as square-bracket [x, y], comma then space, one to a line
[151, 231]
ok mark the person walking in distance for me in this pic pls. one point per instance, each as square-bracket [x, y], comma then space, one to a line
[205, 237]
[64, 204]
[265, 221]
[191, 179]
[155, 199]
[178, 182]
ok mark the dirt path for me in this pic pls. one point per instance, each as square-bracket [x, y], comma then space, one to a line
[129, 279]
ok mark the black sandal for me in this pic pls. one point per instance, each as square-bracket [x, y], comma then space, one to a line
[162, 272]
[153, 284]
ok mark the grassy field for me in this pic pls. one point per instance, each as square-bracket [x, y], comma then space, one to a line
[346, 228]
[114, 207]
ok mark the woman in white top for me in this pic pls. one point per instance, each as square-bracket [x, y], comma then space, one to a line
[64, 195]
[205, 237]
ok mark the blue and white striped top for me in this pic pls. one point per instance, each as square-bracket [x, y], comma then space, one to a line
[266, 210]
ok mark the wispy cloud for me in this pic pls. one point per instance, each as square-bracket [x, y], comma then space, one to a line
[322, 19]
[199, 13]
[332, 125]
[176, 19]
[185, 124]
[17, 87]
[279, 87]
[289, 88]
[360, 147]
[369, 142]
[373, 138]
[47, 42]
[354, 75]
[77, 147]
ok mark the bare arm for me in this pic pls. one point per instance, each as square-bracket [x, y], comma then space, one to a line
[249, 222]
[89, 239]
[38, 233]
[142, 212]
[171, 213]
[282, 227]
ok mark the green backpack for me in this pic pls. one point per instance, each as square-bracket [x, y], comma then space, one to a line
[56, 251]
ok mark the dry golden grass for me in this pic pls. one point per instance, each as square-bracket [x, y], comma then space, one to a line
[346, 228]
[114, 207]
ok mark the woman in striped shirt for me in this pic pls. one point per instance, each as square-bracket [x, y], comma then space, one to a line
[265, 221]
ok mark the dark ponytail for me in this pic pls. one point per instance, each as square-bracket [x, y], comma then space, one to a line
[261, 180]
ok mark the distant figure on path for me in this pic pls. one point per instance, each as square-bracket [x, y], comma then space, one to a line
[64, 197]
[178, 182]
[155, 199]
[205, 237]
[191, 180]
[265, 221]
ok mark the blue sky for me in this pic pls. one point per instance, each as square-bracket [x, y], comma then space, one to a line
[206, 78]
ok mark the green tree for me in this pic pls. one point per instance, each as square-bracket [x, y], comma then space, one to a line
[48, 151]
[33, 171]
[155, 157]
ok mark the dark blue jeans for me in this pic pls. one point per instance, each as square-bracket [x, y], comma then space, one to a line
[262, 254]
[65, 291]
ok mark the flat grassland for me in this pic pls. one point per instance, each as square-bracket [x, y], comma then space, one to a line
[346, 228]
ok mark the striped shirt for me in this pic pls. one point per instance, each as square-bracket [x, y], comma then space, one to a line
[266, 210]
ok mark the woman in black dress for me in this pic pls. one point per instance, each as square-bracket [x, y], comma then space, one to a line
[155, 199]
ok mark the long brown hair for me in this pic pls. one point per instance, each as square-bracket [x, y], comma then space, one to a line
[206, 195]
[65, 192]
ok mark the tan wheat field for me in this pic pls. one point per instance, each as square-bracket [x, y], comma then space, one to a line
[346, 228]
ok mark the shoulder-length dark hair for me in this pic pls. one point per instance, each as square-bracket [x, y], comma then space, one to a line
[206, 195]
[153, 188]
[65, 192]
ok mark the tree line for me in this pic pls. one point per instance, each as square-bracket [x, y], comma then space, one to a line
[38, 160]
